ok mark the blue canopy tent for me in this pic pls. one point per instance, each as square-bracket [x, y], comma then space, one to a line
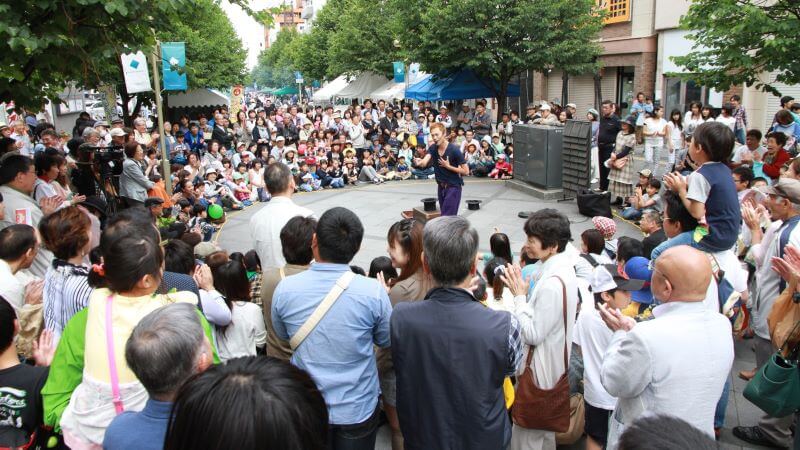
[456, 86]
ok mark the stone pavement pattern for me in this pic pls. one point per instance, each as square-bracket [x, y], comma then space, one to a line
[379, 207]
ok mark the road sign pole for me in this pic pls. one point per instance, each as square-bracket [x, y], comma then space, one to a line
[159, 107]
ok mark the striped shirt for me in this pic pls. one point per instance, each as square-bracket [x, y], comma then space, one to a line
[66, 291]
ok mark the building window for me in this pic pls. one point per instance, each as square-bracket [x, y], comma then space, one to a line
[680, 93]
[616, 10]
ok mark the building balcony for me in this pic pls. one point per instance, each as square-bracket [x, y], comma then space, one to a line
[617, 11]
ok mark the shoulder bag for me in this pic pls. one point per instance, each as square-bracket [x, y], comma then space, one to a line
[544, 409]
[336, 291]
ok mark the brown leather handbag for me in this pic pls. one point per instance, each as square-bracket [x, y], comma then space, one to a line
[544, 409]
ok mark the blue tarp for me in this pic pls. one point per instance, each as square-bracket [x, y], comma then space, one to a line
[457, 86]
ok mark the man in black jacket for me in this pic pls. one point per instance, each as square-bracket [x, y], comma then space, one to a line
[221, 132]
[606, 139]
[387, 124]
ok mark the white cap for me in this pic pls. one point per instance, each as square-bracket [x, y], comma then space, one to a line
[117, 132]
[280, 138]
[211, 170]
[605, 278]
[572, 105]
[545, 106]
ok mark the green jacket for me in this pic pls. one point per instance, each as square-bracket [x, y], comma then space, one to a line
[66, 370]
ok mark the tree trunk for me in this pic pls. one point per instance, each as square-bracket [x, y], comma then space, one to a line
[564, 88]
[598, 93]
[502, 96]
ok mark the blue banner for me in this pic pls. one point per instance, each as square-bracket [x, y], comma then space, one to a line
[173, 63]
[399, 71]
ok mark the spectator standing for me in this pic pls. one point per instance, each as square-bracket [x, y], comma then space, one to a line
[337, 348]
[481, 122]
[133, 184]
[267, 223]
[296, 238]
[464, 117]
[67, 234]
[740, 115]
[606, 139]
[164, 350]
[783, 203]
[18, 246]
[678, 362]
[450, 410]
[17, 179]
[621, 162]
[541, 313]
[246, 333]
[655, 130]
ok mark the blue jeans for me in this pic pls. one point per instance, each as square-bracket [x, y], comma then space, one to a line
[740, 135]
[360, 436]
[422, 173]
[337, 183]
[631, 213]
[722, 405]
[263, 195]
[685, 238]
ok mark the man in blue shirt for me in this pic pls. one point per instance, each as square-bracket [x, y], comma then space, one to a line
[448, 166]
[165, 348]
[338, 352]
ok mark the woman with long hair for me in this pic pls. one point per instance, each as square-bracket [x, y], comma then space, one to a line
[693, 118]
[675, 138]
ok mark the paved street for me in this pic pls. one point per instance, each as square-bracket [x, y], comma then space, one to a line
[380, 206]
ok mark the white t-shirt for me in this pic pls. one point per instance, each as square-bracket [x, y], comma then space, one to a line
[742, 150]
[654, 125]
[506, 302]
[245, 332]
[593, 336]
[730, 121]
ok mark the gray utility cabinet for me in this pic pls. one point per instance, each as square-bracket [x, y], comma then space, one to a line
[537, 155]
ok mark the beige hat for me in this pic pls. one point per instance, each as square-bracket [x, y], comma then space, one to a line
[203, 249]
[787, 188]
[117, 132]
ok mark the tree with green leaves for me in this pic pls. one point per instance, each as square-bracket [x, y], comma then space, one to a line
[356, 47]
[737, 41]
[499, 39]
[275, 67]
[46, 45]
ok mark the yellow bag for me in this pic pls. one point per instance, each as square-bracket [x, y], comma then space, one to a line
[412, 140]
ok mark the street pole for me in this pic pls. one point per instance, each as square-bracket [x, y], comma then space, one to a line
[161, 136]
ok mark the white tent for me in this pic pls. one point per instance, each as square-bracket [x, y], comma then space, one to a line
[330, 89]
[392, 90]
[198, 97]
[364, 85]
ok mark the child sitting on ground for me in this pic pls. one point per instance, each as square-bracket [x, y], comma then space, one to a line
[402, 171]
[336, 174]
[350, 173]
[608, 228]
[242, 181]
[322, 173]
[644, 201]
[308, 180]
[393, 142]
[709, 193]
[215, 192]
[502, 168]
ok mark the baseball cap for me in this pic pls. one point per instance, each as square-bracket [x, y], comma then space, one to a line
[545, 107]
[280, 138]
[605, 278]
[787, 188]
[117, 132]
[101, 123]
[638, 268]
[646, 173]
[571, 105]
[311, 161]
[149, 202]
[204, 249]
[210, 170]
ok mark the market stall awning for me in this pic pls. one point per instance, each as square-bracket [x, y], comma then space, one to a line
[364, 85]
[457, 86]
[392, 90]
[326, 92]
[198, 97]
[286, 90]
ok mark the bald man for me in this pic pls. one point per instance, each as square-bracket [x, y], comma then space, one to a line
[678, 362]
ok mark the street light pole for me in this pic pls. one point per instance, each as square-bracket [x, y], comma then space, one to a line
[161, 136]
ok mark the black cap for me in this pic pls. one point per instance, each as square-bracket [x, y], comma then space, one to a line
[96, 203]
[149, 202]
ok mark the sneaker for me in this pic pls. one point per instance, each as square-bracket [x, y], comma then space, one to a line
[754, 435]
[593, 181]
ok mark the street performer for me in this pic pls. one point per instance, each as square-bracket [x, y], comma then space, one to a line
[449, 167]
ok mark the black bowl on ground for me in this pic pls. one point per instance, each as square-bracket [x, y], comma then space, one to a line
[429, 204]
[473, 205]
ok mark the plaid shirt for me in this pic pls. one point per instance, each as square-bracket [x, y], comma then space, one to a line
[255, 289]
[741, 118]
[514, 346]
